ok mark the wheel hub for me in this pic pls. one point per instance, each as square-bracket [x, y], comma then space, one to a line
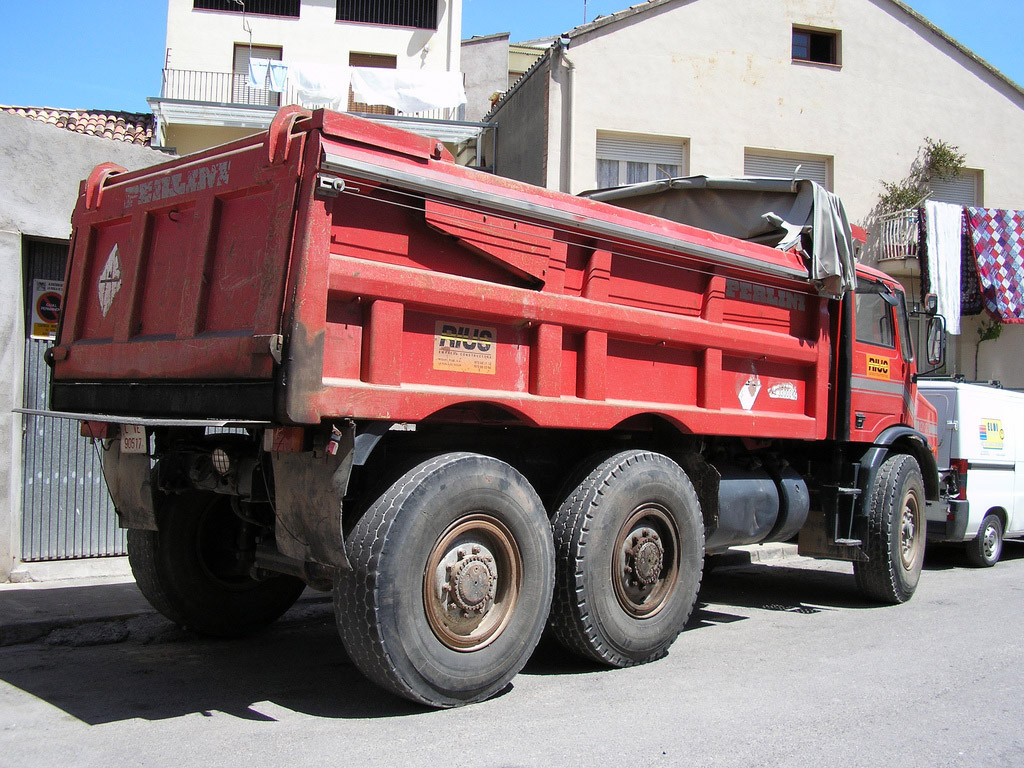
[644, 558]
[909, 543]
[646, 564]
[471, 582]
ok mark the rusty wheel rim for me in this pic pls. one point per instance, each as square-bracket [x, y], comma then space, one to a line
[472, 581]
[645, 565]
[910, 530]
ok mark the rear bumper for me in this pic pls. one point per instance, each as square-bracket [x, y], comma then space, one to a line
[947, 523]
[196, 400]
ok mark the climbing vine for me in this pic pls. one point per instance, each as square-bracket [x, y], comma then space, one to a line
[936, 160]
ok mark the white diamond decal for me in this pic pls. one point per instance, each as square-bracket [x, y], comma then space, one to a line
[110, 281]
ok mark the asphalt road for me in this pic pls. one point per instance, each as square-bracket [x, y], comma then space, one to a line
[782, 664]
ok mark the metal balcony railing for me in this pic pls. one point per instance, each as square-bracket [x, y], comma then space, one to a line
[898, 235]
[233, 88]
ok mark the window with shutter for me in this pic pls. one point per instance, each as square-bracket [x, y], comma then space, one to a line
[624, 158]
[773, 166]
[965, 189]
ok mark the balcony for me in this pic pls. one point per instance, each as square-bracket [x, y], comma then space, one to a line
[232, 90]
[898, 244]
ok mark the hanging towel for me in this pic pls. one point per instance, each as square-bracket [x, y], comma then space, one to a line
[943, 237]
[278, 76]
[319, 85]
[258, 73]
[998, 238]
[408, 90]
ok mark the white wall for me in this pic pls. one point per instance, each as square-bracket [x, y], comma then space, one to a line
[40, 169]
[720, 73]
[204, 40]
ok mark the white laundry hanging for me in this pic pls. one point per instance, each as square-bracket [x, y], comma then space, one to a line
[943, 238]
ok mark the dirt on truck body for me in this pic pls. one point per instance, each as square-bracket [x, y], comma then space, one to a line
[474, 408]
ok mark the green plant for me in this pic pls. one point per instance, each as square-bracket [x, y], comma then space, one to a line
[936, 160]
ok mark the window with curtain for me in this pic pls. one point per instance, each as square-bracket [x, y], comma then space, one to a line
[624, 158]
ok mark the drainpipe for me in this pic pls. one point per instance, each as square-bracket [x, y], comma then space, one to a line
[561, 46]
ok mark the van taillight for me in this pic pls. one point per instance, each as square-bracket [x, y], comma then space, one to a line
[960, 467]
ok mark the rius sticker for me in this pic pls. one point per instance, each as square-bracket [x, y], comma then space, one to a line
[465, 348]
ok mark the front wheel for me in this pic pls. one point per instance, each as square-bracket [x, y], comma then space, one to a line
[896, 533]
[987, 547]
[450, 581]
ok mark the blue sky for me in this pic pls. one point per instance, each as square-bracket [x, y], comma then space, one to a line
[107, 54]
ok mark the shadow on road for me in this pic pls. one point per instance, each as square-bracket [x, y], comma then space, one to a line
[145, 668]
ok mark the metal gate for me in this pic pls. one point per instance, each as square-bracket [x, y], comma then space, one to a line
[66, 510]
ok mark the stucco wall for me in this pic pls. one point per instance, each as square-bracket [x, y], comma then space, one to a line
[40, 168]
[204, 40]
[522, 131]
[720, 73]
[485, 62]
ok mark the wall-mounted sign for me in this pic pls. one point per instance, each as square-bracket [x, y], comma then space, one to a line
[46, 301]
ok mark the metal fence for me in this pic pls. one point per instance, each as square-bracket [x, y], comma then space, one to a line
[898, 235]
[66, 510]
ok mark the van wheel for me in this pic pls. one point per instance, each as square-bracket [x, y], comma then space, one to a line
[987, 547]
[629, 543]
[896, 533]
[451, 580]
[196, 569]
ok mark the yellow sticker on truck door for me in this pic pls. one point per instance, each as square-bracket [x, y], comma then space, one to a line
[878, 367]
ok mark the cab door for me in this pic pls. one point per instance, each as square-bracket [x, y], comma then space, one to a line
[882, 360]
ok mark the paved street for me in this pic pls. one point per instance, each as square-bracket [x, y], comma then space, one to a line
[783, 664]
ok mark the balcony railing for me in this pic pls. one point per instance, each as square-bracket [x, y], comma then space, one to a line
[898, 235]
[233, 88]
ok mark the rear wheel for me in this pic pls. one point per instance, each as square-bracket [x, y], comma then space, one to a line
[450, 584]
[196, 568]
[896, 533]
[987, 547]
[629, 541]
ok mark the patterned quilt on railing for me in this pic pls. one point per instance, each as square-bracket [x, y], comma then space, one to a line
[998, 239]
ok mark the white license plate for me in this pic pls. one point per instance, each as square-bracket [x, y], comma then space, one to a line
[133, 439]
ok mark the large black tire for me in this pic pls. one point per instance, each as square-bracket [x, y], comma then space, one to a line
[629, 544]
[190, 572]
[896, 533]
[450, 584]
[986, 549]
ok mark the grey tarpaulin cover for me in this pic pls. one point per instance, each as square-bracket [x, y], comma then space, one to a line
[774, 212]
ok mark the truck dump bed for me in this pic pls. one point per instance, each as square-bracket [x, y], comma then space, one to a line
[337, 268]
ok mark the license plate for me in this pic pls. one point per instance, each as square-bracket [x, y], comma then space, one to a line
[133, 439]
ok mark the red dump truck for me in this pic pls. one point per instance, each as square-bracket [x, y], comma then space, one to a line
[328, 355]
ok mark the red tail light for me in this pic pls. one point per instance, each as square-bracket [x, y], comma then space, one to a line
[960, 467]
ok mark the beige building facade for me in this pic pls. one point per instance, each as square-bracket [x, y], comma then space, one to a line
[207, 98]
[842, 91]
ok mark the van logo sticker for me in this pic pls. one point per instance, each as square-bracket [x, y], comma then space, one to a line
[465, 348]
[110, 281]
[785, 390]
[749, 390]
[992, 434]
[878, 367]
[175, 184]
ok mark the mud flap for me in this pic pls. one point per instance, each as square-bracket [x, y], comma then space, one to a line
[309, 488]
[129, 480]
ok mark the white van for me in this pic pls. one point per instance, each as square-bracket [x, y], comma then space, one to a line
[981, 453]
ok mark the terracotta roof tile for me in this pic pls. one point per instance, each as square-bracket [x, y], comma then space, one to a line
[130, 127]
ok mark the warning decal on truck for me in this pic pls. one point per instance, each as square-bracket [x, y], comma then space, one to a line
[464, 348]
[991, 434]
[878, 367]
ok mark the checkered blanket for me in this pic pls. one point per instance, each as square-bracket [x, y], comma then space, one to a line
[998, 239]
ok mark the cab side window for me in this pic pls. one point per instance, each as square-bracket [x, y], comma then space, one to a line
[874, 320]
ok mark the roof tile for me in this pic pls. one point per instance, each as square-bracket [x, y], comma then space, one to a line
[130, 127]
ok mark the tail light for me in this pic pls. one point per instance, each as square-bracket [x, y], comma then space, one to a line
[959, 468]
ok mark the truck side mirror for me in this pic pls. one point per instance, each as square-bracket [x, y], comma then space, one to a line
[936, 340]
[931, 304]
